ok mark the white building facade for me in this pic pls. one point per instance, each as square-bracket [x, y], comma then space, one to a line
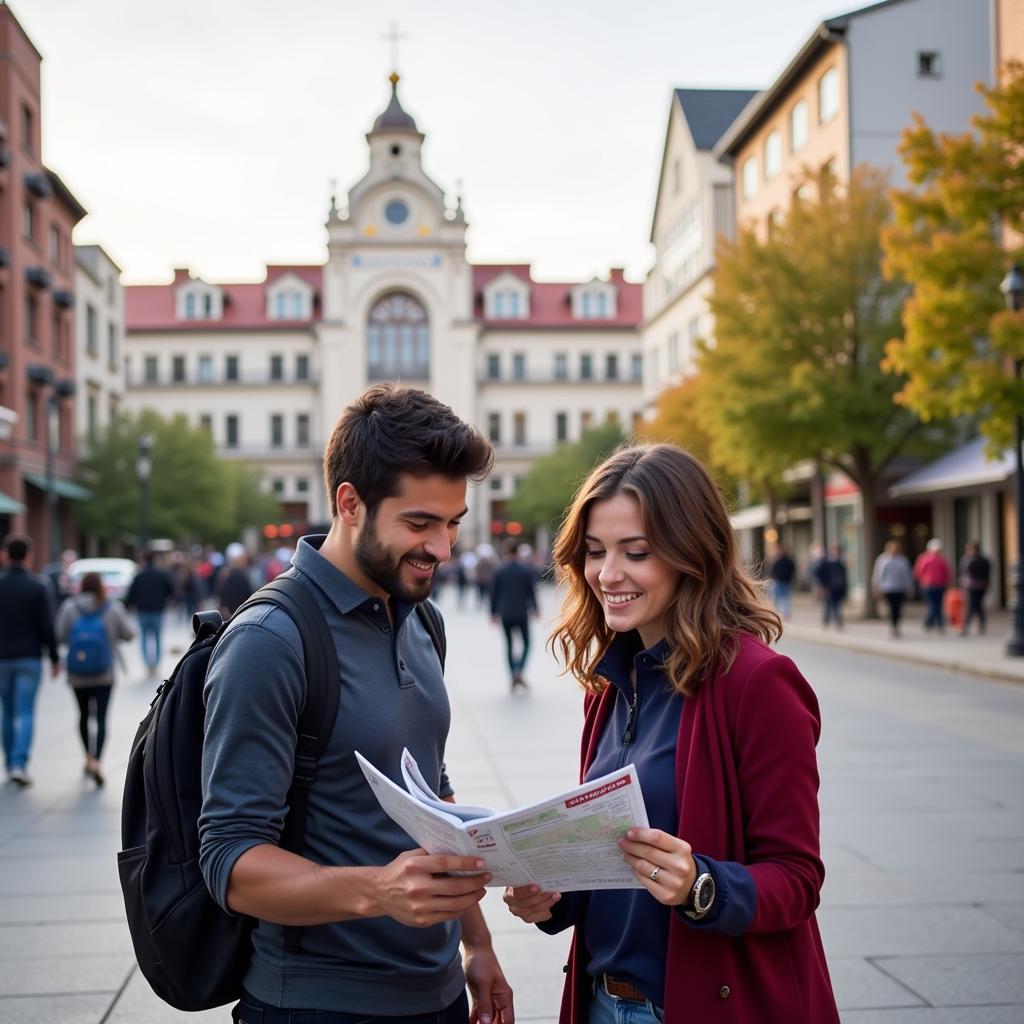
[268, 367]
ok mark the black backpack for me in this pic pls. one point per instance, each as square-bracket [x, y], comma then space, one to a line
[191, 952]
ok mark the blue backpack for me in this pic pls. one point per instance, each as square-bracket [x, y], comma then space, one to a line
[89, 649]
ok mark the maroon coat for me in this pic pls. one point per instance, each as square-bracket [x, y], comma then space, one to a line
[747, 786]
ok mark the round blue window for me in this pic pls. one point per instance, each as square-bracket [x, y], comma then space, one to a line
[396, 212]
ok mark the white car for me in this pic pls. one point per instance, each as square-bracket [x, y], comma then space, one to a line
[116, 573]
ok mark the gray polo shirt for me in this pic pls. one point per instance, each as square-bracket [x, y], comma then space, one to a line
[392, 696]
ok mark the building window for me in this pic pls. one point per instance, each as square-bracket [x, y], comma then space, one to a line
[506, 305]
[206, 369]
[585, 305]
[302, 485]
[55, 252]
[518, 366]
[151, 369]
[91, 416]
[828, 95]
[114, 408]
[207, 305]
[496, 482]
[673, 352]
[178, 369]
[56, 336]
[190, 306]
[277, 367]
[91, 330]
[28, 221]
[231, 430]
[513, 305]
[112, 346]
[636, 366]
[276, 430]
[494, 427]
[586, 366]
[561, 426]
[231, 367]
[611, 365]
[519, 429]
[398, 339]
[28, 128]
[277, 486]
[206, 422]
[297, 305]
[302, 367]
[32, 417]
[611, 416]
[280, 306]
[928, 64]
[561, 366]
[772, 155]
[493, 366]
[302, 429]
[798, 126]
[749, 177]
[586, 421]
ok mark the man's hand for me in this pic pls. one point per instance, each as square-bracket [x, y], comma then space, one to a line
[416, 888]
[529, 903]
[492, 994]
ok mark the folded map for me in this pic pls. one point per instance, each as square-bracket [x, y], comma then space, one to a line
[568, 842]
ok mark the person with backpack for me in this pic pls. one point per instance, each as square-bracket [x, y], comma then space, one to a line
[92, 625]
[975, 576]
[26, 631]
[350, 922]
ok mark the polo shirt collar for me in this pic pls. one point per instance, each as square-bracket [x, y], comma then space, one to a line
[626, 651]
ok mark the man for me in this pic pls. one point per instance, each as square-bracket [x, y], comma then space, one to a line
[831, 579]
[782, 571]
[148, 594]
[381, 923]
[513, 602]
[975, 575]
[234, 585]
[26, 629]
[932, 571]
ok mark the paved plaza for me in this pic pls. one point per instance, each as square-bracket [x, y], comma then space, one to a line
[922, 828]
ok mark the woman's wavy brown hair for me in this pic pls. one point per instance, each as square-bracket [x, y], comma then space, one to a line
[686, 524]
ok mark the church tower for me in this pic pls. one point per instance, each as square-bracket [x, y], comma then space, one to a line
[397, 290]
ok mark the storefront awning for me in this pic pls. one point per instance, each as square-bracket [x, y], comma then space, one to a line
[750, 518]
[8, 506]
[964, 467]
[65, 488]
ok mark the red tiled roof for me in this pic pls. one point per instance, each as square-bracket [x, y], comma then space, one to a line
[150, 307]
[551, 302]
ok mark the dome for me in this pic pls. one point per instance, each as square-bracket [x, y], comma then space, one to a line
[394, 117]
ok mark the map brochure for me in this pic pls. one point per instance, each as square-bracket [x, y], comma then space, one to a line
[566, 843]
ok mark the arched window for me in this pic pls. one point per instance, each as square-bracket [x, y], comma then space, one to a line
[398, 339]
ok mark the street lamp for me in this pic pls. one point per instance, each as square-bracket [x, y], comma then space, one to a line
[143, 469]
[1012, 288]
[43, 378]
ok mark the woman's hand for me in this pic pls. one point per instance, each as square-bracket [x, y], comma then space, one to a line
[529, 903]
[649, 851]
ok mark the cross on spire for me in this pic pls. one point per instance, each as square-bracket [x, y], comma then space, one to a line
[393, 36]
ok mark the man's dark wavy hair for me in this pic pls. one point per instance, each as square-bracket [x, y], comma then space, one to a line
[390, 430]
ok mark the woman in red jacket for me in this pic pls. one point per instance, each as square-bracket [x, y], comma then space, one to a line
[669, 638]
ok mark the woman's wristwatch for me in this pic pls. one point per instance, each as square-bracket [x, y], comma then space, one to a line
[702, 897]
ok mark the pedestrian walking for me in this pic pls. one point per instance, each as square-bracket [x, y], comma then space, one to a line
[831, 582]
[934, 574]
[893, 579]
[234, 583]
[26, 632]
[465, 573]
[186, 587]
[148, 596]
[513, 604]
[669, 637]
[975, 576]
[92, 625]
[483, 573]
[381, 922]
[782, 573]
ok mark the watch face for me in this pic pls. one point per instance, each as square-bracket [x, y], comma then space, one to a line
[704, 893]
[396, 212]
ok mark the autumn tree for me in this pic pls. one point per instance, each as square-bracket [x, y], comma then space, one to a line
[959, 343]
[801, 323]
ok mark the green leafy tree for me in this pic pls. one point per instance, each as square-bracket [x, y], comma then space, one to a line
[193, 495]
[960, 343]
[802, 320]
[546, 491]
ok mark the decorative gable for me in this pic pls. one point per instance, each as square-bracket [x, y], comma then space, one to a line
[195, 299]
[289, 297]
[507, 297]
[595, 300]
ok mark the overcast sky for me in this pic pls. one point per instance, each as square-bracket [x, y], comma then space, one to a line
[203, 133]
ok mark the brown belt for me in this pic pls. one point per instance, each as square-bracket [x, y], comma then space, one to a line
[622, 989]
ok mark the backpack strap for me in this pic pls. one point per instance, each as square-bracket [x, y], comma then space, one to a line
[433, 623]
[320, 710]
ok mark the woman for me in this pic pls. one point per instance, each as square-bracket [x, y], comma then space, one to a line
[669, 638]
[892, 578]
[92, 626]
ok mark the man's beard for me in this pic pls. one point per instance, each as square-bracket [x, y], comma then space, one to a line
[382, 567]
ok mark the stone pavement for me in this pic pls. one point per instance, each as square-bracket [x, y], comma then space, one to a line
[922, 830]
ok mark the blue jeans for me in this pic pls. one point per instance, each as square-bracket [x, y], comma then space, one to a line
[933, 607]
[19, 683]
[151, 625]
[606, 1009]
[781, 594]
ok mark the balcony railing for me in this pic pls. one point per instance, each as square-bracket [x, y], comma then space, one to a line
[169, 380]
[268, 452]
[550, 377]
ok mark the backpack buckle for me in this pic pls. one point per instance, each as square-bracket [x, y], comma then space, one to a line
[305, 770]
